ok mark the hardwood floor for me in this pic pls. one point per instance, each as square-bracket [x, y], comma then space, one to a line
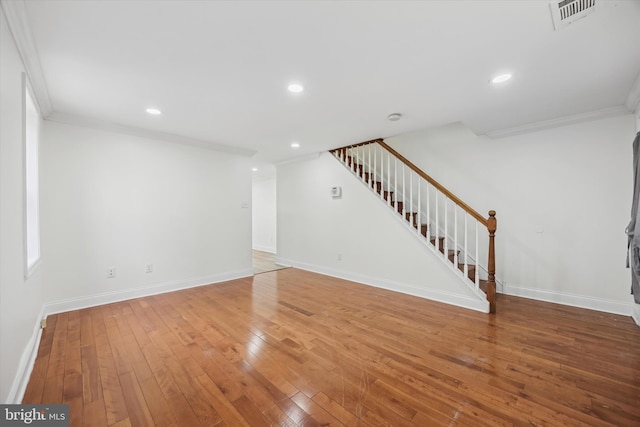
[293, 348]
[264, 262]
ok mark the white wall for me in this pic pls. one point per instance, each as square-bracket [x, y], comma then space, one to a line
[113, 200]
[264, 215]
[20, 300]
[374, 243]
[563, 200]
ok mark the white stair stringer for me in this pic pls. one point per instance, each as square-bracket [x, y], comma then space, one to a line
[388, 185]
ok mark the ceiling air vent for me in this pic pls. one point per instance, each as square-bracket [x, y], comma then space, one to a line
[565, 12]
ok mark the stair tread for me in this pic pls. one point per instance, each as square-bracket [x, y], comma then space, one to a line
[372, 179]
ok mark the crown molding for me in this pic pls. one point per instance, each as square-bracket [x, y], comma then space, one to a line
[93, 123]
[296, 159]
[633, 100]
[560, 121]
[16, 14]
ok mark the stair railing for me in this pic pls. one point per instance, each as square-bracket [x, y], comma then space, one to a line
[434, 212]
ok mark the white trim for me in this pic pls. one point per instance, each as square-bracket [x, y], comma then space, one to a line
[433, 248]
[16, 15]
[143, 291]
[90, 122]
[270, 249]
[633, 99]
[581, 301]
[298, 159]
[560, 121]
[635, 315]
[27, 361]
[27, 95]
[463, 301]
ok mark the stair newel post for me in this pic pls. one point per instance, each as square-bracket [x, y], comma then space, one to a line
[491, 282]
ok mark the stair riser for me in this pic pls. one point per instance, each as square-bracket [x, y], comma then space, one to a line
[375, 182]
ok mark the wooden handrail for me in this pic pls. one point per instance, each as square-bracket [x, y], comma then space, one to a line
[482, 220]
[490, 223]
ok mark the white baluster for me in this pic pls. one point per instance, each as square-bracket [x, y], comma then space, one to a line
[395, 176]
[404, 199]
[375, 158]
[381, 173]
[369, 165]
[466, 247]
[389, 178]
[437, 241]
[419, 210]
[477, 258]
[455, 235]
[410, 197]
[363, 158]
[429, 231]
[354, 159]
[446, 229]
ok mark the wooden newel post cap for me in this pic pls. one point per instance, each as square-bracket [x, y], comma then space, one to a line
[492, 222]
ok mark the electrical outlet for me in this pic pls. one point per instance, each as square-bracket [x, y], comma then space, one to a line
[149, 268]
[111, 273]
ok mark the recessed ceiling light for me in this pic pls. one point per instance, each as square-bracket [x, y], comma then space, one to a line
[254, 169]
[295, 145]
[154, 111]
[501, 78]
[394, 117]
[295, 88]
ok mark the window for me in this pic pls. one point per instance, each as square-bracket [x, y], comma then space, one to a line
[31, 136]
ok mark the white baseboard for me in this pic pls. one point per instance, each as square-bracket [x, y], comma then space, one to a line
[143, 291]
[581, 301]
[444, 297]
[28, 359]
[636, 313]
[25, 367]
[270, 249]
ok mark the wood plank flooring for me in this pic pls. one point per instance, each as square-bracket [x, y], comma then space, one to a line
[264, 262]
[293, 348]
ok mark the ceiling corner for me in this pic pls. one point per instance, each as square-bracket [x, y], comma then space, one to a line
[16, 14]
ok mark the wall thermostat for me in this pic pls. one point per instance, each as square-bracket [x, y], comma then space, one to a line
[336, 191]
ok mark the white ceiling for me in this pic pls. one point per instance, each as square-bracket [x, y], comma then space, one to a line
[219, 69]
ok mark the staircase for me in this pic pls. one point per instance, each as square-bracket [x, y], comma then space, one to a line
[434, 214]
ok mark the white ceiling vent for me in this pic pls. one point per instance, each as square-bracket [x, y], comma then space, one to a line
[564, 12]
